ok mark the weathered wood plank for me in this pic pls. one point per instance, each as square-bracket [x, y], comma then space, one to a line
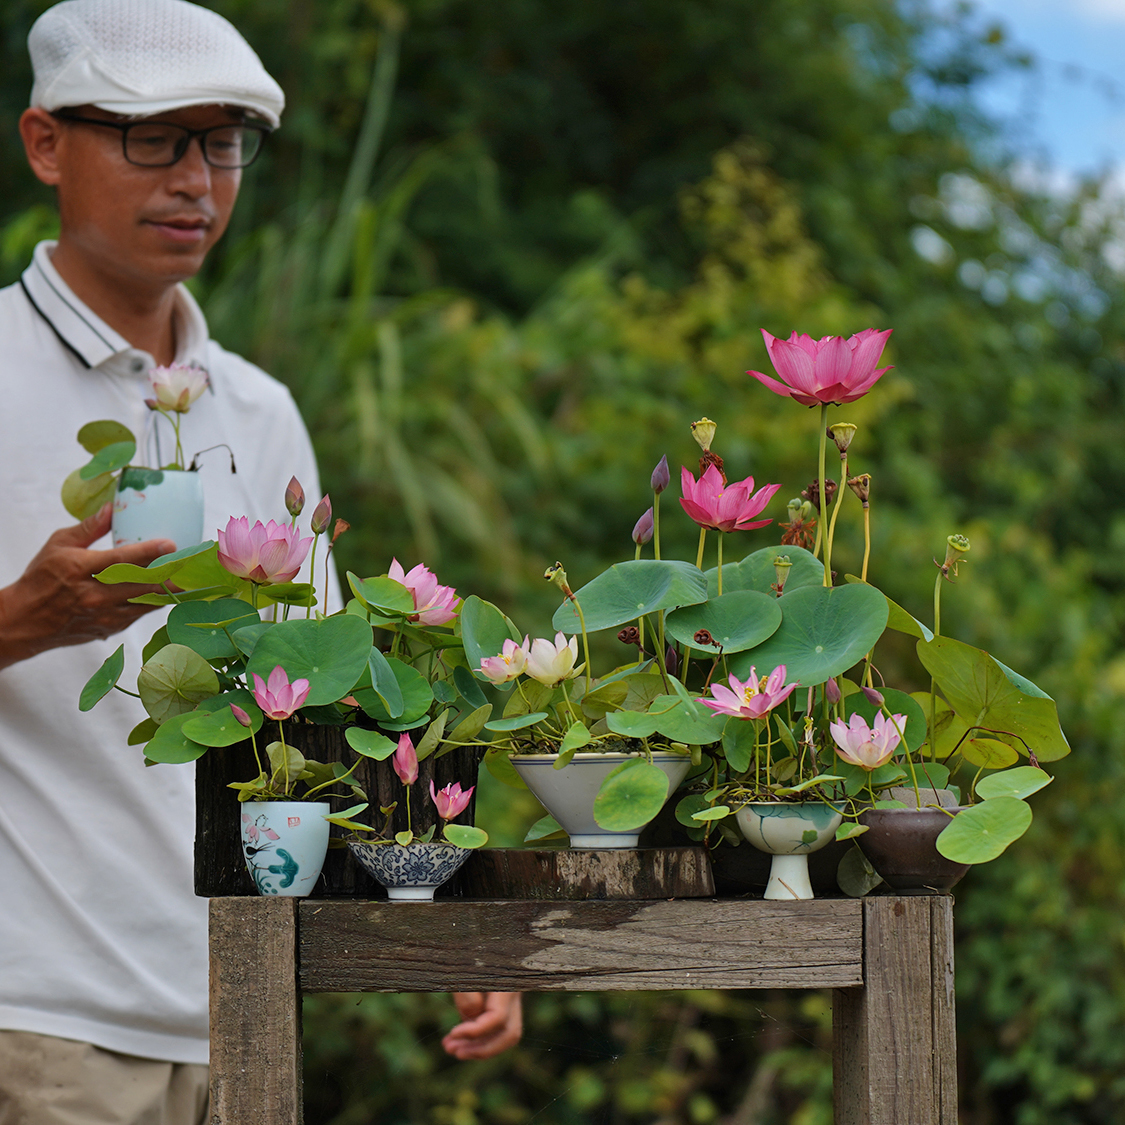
[255, 1013]
[578, 874]
[894, 1049]
[519, 945]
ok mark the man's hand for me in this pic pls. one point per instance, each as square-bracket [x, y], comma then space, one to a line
[492, 1022]
[57, 602]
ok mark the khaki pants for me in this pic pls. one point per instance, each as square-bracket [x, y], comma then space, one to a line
[50, 1081]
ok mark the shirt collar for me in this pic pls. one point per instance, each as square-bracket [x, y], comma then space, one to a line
[88, 336]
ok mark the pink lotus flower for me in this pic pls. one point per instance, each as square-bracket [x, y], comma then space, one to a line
[864, 746]
[724, 508]
[753, 698]
[451, 800]
[435, 605]
[176, 387]
[549, 663]
[405, 760]
[263, 553]
[277, 697]
[511, 663]
[829, 370]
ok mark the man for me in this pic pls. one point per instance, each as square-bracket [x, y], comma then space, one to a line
[102, 944]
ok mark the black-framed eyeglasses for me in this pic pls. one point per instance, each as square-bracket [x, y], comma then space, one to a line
[159, 144]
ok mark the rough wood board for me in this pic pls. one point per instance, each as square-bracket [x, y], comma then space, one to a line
[255, 1013]
[519, 945]
[578, 874]
[894, 1042]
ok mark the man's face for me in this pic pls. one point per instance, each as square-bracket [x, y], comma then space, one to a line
[144, 226]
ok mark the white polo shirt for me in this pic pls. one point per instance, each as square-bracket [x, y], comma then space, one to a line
[101, 937]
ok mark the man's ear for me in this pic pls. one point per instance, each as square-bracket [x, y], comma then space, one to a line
[41, 134]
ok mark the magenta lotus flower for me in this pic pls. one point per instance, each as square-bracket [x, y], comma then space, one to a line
[720, 507]
[277, 697]
[864, 746]
[510, 663]
[264, 553]
[829, 370]
[176, 387]
[750, 699]
[405, 760]
[451, 800]
[549, 663]
[435, 605]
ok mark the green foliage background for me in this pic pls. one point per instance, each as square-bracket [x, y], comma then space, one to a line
[504, 253]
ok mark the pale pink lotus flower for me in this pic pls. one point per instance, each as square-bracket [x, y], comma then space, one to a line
[510, 663]
[828, 370]
[752, 698]
[549, 663]
[864, 746]
[405, 760]
[176, 387]
[264, 553]
[451, 800]
[434, 604]
[277, 697]
[720, 507]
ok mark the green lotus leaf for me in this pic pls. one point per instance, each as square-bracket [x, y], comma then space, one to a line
[484, 629]
[515, 722]
[687, 721]
[174, 681]
[854, 874]
[171, 746]
[629, 590]
[738, 743]
[382, 594]
[431, 740]
[104, 680]
[471, 725]
[981, 832]
[631, 724]
[216, 728]
[370, 743]
[331, 654]
[756, 572]
[417, 695]
[95, 436]
[206, 627]
[984, 694]
[630, 796]
[575, 738]
[465, 836]
[737, 621]
[385, 684]
[1020, 782]
[989, 753]
[824, 631]
[546, 828]
[467, 686]
[498, 763]
[84, 498]
[109, 459]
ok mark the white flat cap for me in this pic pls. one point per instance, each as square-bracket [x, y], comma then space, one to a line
[142, 57]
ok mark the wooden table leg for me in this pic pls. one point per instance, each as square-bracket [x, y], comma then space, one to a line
[895, 1047]
[255, 1013]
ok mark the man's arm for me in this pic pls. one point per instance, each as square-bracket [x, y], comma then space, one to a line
[491, 1022]
[56, 601]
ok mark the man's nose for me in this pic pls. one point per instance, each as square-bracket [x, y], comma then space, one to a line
[191, 174]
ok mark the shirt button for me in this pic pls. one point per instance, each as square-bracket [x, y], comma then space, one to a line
[137, 366]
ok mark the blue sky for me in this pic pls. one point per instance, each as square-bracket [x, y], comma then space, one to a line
[1073, 105]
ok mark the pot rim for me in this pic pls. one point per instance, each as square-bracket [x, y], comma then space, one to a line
[595, 755]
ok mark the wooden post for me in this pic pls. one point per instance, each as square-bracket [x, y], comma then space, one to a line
[255, 1013]
[894, 1041]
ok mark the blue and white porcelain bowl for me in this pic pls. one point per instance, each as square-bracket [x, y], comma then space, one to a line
[410, 872]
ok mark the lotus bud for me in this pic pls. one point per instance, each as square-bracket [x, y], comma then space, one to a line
[642, 529]
[832, 691]
[240, 715]
[861, 486]
[704, 433]
[671, 660]
[873, 695]
[294, 497]
[404, 761]
[842, 433]
[322, 516]
[781, 567]
[661, 476]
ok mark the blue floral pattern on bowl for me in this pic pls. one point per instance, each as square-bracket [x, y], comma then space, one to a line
[410, 872]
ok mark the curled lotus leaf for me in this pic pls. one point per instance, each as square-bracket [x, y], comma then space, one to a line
[174, 680]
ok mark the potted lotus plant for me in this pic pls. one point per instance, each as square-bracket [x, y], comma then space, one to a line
[163, 502]
[244, 645]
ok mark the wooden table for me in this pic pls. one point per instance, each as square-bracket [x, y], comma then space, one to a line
[889, 961]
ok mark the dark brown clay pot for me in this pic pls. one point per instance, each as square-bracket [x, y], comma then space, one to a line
[899, 844]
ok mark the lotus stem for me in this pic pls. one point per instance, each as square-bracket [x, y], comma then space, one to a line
[585, 641]
[820, 483]
[720, 564]
[835, 513]
[866, 540]
[656, 525]
[312, 577]
[569, 705]
[699, 553]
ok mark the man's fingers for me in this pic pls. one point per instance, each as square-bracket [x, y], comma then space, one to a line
[469, 1004]
[88, 531]
[139, 554]
[498, 1027]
